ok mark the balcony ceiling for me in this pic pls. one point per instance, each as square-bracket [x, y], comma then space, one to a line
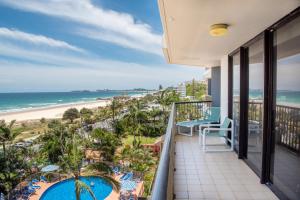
[186, 25]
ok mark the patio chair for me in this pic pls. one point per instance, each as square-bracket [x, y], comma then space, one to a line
[212, 115]
[217, 130]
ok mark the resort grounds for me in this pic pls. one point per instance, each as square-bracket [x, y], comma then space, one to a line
[83, 140]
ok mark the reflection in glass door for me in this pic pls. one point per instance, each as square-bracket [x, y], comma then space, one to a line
[255, 104]
[285, 171]
[236, 98]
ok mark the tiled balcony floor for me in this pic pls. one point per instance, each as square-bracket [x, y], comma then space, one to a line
[214, 175]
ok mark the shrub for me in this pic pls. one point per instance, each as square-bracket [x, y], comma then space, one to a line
[86, 111]
[54, 123]
[43, 120]
[71, 114]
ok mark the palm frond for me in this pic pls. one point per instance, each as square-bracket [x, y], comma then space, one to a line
[12, 122]
[79, 185]
[115, 184]
[102, 167]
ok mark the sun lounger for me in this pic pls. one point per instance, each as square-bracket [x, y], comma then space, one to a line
[127, 176]
[131, 197]
[34, 186]
[43, 179]
[1, 196]
[35, 181]
[212, 115]
[122, 177]
[29, 190]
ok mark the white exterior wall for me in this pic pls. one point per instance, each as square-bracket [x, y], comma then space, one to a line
[181, 89]
[224, 87]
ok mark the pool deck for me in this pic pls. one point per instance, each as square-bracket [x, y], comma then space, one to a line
[38, 193]
[112, 196]
[116, 195]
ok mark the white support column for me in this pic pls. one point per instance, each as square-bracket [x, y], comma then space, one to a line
[224, 87]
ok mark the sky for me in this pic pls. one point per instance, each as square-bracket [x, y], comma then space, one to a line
[63, 45]
[287, 77]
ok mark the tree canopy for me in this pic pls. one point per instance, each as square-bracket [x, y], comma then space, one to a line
[71, 114]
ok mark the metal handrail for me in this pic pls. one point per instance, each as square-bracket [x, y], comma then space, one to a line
[160, 186]
[163, 182]
[191, 102]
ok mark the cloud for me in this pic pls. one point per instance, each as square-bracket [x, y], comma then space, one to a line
[115, 27]
[119, 75]
[27, 65]
[119, 40]
[55, 58]
[36, 39]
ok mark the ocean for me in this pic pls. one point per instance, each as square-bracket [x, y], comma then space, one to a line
[12, 102]
[283, 97]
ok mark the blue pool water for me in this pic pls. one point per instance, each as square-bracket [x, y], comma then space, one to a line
[65, 190]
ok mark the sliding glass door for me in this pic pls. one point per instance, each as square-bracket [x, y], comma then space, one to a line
[285, 172]
[255, 104]
[236, 98]
[264, 103]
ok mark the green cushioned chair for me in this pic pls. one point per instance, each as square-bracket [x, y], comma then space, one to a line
[217, 130]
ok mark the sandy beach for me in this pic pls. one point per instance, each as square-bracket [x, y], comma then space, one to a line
[50, 112]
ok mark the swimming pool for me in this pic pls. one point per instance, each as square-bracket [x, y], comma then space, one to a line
[65, 190]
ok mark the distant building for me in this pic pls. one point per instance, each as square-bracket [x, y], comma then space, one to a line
[212, 78]
[181, 89]
[207, 79]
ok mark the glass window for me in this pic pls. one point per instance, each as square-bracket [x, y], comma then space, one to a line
[255, 104]
[236, 98]
[286, 158]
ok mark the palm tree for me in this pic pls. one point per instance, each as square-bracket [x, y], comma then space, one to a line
[72, 161]
[107, 142]
[165, 99]
[115, 106]
[154, 114]
[55, 140]
[7, 180]
[12, 168]
[124, 155]
[140, 159]
[6, 134]
[136, 117]
[102, 170]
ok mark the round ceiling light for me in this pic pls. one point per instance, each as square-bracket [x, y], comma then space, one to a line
[218, 30]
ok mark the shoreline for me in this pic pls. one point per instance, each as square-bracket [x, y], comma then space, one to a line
[56, 105]
[50, 112]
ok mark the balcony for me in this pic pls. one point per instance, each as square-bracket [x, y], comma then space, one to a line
[186, 172]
